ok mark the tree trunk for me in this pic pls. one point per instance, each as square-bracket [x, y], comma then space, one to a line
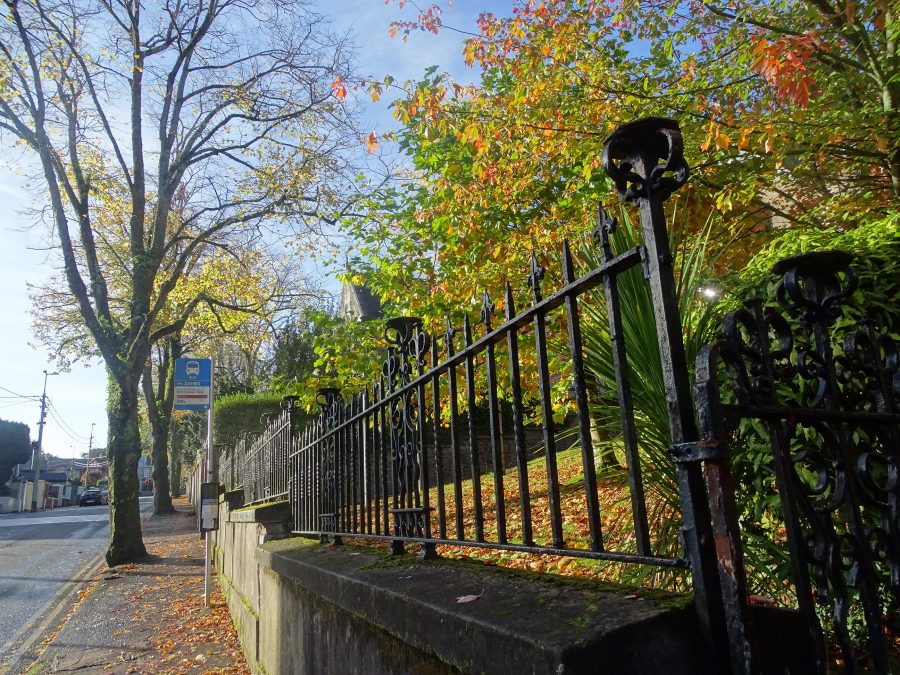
[159, 436]
[123, 452]
[175, 474]
[162, 496]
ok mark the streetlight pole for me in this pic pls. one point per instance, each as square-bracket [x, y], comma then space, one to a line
[36, 456]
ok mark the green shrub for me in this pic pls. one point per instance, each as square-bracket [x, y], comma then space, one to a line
[876, 250]
[239, 414]
[15, 448]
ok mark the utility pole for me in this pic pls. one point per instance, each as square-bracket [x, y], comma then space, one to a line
[87, 470]
[36, 456]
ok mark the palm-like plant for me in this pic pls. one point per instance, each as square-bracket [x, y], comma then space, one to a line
[694, 267]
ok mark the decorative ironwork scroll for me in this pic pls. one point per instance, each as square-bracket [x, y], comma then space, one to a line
[827, 397]
[407, 352]
[329, 400]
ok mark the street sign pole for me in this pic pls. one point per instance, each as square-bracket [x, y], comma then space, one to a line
[194, 391]
[211, 477]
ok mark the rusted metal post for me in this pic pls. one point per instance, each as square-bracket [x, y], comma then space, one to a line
[645, 160]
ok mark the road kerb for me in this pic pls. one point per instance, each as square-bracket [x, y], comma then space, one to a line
[63, 604]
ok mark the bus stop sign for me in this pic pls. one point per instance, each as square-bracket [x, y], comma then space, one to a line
[193, 384]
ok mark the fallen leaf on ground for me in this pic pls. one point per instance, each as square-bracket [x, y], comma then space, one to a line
[468, 598]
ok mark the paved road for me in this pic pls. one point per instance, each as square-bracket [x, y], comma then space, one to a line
[43, 557]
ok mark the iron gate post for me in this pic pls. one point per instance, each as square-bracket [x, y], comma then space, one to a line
[408, 347]
[646, 162]
[289, 478]
[329, 400]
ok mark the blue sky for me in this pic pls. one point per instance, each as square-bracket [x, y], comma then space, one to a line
[78, 397]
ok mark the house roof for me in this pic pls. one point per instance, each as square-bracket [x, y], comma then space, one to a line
[48, 476]
[359, 302]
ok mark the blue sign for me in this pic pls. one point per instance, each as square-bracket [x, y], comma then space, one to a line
[193, 384]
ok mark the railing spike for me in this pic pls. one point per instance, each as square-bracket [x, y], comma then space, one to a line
[449, 332]
[535, 276]
[510, 308]
[487, 310]
[568, 266]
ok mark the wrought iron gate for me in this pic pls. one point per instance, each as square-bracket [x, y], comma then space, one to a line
[826, 395]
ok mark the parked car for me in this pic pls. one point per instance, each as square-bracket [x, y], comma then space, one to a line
[92, 496]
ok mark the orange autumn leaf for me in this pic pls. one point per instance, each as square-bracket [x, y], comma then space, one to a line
[783, 63]
[371, 143]
[723, 141]
[339, 87]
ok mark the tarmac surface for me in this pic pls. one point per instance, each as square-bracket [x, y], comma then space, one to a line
[43, 555]
[146, 617]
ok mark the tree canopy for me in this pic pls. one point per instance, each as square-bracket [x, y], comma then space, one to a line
[164, 133]
[15, 448]
[789, 108]
[788, 111]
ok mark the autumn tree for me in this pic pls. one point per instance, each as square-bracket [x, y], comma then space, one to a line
[251, 286]
[788, 110]
[232, 101]
[15, 448]
[242, 286]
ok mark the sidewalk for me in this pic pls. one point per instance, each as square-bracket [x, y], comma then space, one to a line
[148, 617]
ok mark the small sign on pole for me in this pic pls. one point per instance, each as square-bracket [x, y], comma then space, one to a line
[193, 391]
[209, 507]
[193, 384]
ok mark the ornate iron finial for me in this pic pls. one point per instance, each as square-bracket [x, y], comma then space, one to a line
[638, 155]
[400, 330]
[487, 311]
[606, 225]
[289, 402]
[534, 278]
[327, 396]
[812, 288]
[449, 334]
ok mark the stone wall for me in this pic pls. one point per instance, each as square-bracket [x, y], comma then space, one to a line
[302, 607]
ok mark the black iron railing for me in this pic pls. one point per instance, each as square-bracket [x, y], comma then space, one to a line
[826, 400]
[264, 458]
[455, 442]
[400, 460]
[428, 454]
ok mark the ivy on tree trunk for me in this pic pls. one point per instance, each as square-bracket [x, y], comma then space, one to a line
[123, 452]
